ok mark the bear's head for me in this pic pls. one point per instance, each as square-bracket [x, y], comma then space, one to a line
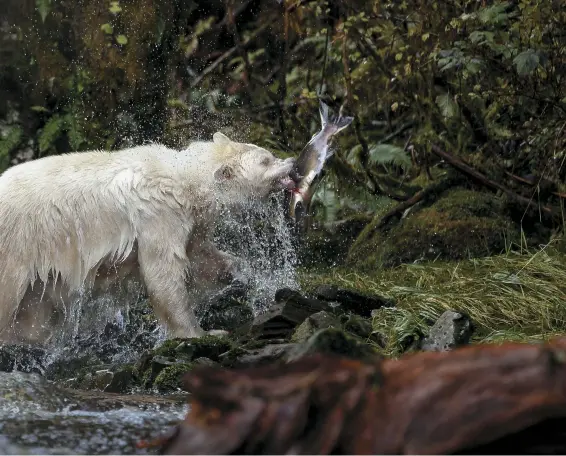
[248, 171]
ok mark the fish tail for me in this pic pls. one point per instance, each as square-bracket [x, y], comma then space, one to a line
[333, 124]
[323, 114]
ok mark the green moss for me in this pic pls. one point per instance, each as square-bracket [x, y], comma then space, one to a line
[210, 346]
[170, 378]
[462, 224]
[191, 348]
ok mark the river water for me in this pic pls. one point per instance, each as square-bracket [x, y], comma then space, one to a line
[37, 417]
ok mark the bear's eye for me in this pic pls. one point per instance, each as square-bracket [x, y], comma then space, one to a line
[266, 161]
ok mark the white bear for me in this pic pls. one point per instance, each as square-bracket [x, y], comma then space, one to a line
[79, 220]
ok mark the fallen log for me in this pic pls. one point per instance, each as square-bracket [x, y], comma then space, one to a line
[483, 399]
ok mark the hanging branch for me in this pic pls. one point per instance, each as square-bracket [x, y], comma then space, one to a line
[364, 157]
[469, 171]
[231, 16]
[229, 53]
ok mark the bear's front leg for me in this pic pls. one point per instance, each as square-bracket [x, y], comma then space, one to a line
[163, 264]
[213, 265]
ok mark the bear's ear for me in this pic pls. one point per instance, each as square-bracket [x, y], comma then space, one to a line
[220, 138]
[224, 173]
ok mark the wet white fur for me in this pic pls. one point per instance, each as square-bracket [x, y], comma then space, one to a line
[65, 215]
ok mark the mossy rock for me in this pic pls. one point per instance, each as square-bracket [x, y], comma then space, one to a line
[335, 341]
[170, 379]
[197, 347]
[313, 323]
[461, 224]
[358, 326]
[123, 379]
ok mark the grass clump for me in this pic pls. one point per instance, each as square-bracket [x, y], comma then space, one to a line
[514, 296]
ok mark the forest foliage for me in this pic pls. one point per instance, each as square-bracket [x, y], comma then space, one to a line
[482, 80]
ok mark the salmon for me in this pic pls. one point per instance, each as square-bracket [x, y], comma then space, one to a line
[313, 157]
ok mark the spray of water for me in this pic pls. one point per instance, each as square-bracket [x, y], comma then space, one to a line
[257, 232]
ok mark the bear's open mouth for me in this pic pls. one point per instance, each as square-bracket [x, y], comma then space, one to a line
[287, 183]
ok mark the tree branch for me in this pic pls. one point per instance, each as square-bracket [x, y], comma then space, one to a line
[469, 171]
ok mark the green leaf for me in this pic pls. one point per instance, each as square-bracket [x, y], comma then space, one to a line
[494, 14]
[389, 153]
[50, 132]
[448, 107]
[43, 7]
[481, 37]
[122, 40]
[115, 7]
[10, 141]
[526, 62]
[107, 28]
[39, 109]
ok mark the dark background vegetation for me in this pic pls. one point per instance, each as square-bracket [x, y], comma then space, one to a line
[482, 81]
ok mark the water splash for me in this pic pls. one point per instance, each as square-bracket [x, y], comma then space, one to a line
[258, 234]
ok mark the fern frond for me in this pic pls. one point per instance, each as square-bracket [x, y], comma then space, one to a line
[382, 154]
[7, 144]
[50, 132]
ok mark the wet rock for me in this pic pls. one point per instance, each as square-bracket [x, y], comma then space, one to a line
[178, 352]
[197, 347]
[226, 310]
[123, 379]
[100, 380]
[21, 358]
[352, 300]
[18, 389]
[313, 323]
[157, 364]
[170, 378]
[334, 341]
[69, 366]
[256, 357]
[290, 309]
[451, 330]
[204, 362]
[358, 326]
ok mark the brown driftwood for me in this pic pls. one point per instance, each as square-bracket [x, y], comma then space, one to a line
[486, 399]
[468, 170]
